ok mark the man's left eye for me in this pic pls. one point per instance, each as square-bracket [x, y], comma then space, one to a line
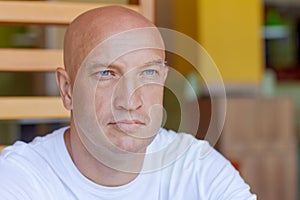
[149, 72]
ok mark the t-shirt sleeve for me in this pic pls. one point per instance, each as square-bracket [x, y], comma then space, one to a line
[14, 182]
[221, 181]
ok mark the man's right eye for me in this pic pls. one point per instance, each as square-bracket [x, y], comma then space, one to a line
[105, 73]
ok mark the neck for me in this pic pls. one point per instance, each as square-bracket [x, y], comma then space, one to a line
[93, 169]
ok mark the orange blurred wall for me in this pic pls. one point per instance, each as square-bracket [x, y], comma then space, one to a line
[231, 32]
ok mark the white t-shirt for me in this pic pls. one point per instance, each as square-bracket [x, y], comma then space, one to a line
[43, 169]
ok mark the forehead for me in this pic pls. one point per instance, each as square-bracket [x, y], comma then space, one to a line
[144, 42]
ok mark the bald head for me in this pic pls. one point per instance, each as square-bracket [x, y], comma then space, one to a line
[93, 27]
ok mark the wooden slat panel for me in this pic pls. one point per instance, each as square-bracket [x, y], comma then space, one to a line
[30, 59]
[45, 12]
[14, 108]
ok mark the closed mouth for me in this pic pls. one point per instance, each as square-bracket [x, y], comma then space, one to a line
[127, 125]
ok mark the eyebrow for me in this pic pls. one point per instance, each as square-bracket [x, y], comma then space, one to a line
[155, 62]
[158, 62]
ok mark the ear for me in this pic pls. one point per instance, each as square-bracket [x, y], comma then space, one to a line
[65, 87]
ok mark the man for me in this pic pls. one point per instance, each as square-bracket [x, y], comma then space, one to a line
[114, 148]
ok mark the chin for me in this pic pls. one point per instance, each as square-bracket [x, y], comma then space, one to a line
[129, 144]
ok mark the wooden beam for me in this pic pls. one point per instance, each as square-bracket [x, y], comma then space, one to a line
[148, 9]
[18, 108]
[30, 59]
[45, 12]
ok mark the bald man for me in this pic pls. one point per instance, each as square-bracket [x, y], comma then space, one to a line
[114, 148]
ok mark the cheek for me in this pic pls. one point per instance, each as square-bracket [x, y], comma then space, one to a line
[153, 94]
[153, 102]
[82, 101]
[103, 102]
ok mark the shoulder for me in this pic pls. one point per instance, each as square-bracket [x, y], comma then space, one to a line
[33, 155]
[197, 164]
[23, 166]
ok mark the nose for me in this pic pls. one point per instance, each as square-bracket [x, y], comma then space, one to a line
[127, 95]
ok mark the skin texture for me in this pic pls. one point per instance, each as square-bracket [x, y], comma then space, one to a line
[113, 85]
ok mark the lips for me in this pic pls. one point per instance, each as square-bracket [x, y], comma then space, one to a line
[127, 126]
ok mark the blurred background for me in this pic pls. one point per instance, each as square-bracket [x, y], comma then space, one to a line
[256, 46]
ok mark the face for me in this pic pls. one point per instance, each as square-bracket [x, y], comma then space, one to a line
[118, 99]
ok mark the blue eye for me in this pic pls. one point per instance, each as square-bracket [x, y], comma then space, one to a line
[105, 73]
[149, 72]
